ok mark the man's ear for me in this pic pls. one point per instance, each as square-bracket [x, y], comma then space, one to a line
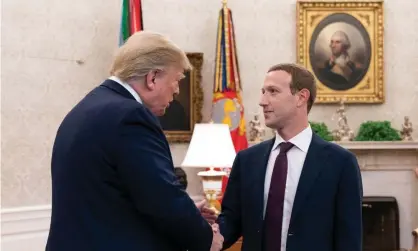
[304, 95]
[150, 80]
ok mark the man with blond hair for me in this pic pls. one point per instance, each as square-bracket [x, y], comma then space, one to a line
[113, 180]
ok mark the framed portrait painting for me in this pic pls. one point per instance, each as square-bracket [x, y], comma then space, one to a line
[341, 42]
[186, 108]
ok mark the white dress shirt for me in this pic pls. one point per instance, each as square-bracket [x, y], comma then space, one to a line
[127, 87]
[295, 157]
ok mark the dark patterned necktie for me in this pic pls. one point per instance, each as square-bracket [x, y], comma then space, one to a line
[274, 210]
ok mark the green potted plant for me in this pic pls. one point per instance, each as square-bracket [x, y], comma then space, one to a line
[377, 131]
[321, 130]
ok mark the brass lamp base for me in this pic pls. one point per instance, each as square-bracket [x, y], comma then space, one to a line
[212, 187]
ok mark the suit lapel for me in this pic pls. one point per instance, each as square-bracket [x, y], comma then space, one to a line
[260, 167]
[314, 162]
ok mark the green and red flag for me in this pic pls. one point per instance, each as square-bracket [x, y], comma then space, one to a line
[131, 19]
[227, 102]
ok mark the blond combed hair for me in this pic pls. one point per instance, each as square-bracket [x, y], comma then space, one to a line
[145, 51]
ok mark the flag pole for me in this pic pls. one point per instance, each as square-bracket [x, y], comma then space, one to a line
[227, 105]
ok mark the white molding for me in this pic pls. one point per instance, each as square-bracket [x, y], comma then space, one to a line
[15, 221]
[25, 228]
[375, 145]
[378, 145]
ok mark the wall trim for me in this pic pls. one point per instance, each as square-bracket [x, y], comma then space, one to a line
[25, 220]
[25, 228]
[33, 219]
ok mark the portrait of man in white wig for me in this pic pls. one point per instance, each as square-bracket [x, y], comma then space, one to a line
[339, 68]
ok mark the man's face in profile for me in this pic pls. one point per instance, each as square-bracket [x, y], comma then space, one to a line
[166, 86]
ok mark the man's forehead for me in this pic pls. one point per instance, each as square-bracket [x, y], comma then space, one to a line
[181, 73]
[178, 72]
[336, 38]
[277, 78]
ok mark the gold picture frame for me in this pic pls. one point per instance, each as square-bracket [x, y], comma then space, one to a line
[349, 69]
[186, 109]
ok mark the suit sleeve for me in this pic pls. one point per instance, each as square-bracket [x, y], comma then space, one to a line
[348, 224]
[230, 218]
[145, 166]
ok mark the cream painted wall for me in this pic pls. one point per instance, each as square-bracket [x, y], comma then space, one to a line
[41, 79]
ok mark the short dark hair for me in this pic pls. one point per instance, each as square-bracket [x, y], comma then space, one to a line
[302, 78]
[181, 177]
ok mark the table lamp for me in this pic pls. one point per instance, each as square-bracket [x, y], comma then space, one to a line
[211, 147]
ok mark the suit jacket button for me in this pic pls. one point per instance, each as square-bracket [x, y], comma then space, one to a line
[290, 234]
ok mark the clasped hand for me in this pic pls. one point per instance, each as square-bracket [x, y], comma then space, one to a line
[210, 216]
[206, 212]
[218, 239]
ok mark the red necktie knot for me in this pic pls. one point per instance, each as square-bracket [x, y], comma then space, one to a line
[285, 147]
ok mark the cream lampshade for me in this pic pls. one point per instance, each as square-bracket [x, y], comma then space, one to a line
[211, 147]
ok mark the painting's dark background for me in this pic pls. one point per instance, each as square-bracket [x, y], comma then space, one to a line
[177, 115]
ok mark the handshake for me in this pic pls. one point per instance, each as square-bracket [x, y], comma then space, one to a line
[218, 239]
[210, 216]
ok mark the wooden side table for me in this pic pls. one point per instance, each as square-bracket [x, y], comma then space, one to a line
[237, 246]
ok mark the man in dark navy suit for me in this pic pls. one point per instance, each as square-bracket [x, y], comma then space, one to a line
[294, 192]
[113, 181]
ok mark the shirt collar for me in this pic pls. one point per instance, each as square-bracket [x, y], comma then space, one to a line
[301, 140]
[127, 87]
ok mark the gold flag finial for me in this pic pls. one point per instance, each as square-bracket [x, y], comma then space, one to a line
[224, 2]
